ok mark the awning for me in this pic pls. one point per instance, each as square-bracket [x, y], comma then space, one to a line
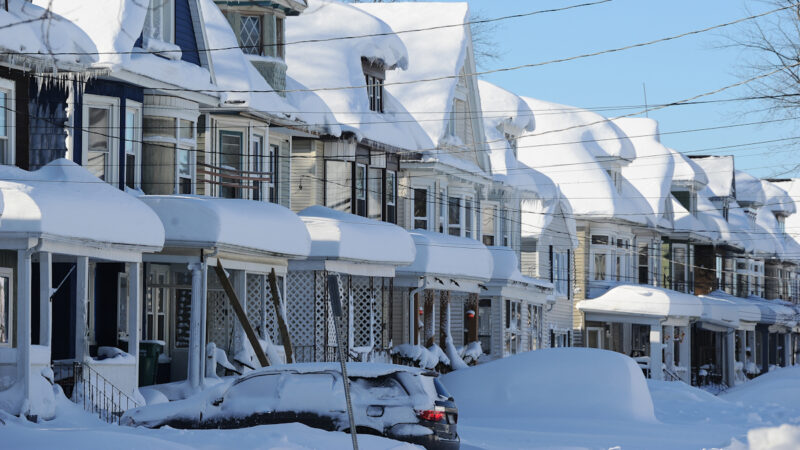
[507, 281]
[66, 206]
[346, 243]
[448, 262]
[645, 301]
[234, 225]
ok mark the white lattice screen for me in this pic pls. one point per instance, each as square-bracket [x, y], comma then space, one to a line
[220, 320]
[367, 312]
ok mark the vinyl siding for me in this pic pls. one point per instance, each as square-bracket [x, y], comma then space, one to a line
[306, 185]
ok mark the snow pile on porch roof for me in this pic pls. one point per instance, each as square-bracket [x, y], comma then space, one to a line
[749, 188]
[449, 256]
[114, 27]
[325, 59]
[749, 310]
[720, 173]
[62, 200]
[433, 53]
[566, 148]
[652, 169]
[687, 170]
[28, 28]
[644, 301]
[785, 314]
[199, 221]
[720, 311]
[768, 232]
[233, 70]
[505, 268]
[342, 236]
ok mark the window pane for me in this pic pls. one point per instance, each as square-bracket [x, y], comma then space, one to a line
[391, 187]
[600, 266]
[98, 129]
[159, 127]
[186, 129]
[130, 171]
[468, 218]
[420, 203]
[600, 240]
[338, 183]
[454, 210]
[3, 114]
[250, 34]
[5, 313]
[130, 128]
[375, 194]
[231, 163]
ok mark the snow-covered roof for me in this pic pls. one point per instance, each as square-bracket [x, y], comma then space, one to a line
[53, 38]
[644, 300]
[720, 311]
[768, 233]
[749, 310]
[571, 159]
[433, 53]
[743, 230]
[785, 314]
[686, 170]
[506, 274]
[327, 62]
[114, 28]
[233, 70]
[651, 171]
[777, 198]
[342, 236]
[449, 256]
[236, 224]
[684, 222]
[720, 173]
[714, 223]
[62, 200]
[792, 187]
[749, 189]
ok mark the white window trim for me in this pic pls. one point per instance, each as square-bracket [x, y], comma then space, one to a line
[112, 163]
[9, 87]
[169, 4]
[136, 107]
[430, 207]
[9, 272]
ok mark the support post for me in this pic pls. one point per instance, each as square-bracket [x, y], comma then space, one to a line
[787, 349]
[656, 361]
[284, 330]
[728, 356]
[415, 318]
[472, 324]
[82, 311]
[686, 353]
[444, 318]
[135, 312]
[195, 323]
[24, 327]
[203, 321]
[428, 318]
[45, 291]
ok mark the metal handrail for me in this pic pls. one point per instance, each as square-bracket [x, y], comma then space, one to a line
[99, 396]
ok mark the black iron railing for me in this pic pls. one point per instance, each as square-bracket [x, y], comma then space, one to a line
[86, 387]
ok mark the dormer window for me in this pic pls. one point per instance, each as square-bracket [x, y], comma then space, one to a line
[250, 35]
[512, 143]
[374, 75]
[159, 22]
[687, 199]
[781, 223]
[616, 178]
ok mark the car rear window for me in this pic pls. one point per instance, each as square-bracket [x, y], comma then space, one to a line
[381, 388]
[440, 389]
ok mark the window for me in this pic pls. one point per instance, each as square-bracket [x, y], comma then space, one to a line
[230, 158]
[338, 185]
[468, 218]
[489, 225]
[391, 196]
[505, 224]
[6, 306]
[512, 143]
[99, 144]
[375, 93]
[375, 194]
[7, 129]
[679, 267]
[250, 34]
[421, 209]
[442, 210]
[600, 240]
[272, 167]
[535, 326]
[600, 266]
[454, 214]
[561, 273]
[158, 23]
[361, 190]
[685, 199]
[133, 148]
[781, 224]
[484, 325]
[644, 264]
[513, 313]
[156, 305]
[260, 168]
[169, 141]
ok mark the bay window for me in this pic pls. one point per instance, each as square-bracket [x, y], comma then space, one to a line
[7, 125]
[168, 155]
[421, 219]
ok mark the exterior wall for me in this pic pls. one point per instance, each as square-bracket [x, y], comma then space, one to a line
[307, 173]
[581, 281]
[185, 33]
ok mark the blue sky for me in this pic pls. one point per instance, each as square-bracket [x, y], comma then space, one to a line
[671, 71]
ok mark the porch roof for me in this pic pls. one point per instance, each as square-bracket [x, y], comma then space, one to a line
[785, 314]
[337, 235]
[246, 225]
[63, 202]
[449, 256]
[720, 311]
[749, 311]
[644, 301]
[508, 281]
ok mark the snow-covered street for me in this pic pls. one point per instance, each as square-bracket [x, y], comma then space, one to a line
[584, 399]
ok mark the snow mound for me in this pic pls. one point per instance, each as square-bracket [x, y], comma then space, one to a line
[777, 387]
[569, 383]
[784, 437]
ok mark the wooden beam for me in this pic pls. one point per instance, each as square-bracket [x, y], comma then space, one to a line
[276, 302]
[237, 308]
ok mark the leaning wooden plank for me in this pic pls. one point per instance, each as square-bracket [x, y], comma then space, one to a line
[276, 302]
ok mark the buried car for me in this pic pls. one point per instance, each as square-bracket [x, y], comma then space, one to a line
[398, 402]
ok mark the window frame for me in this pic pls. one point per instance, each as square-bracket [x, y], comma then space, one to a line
[243, 163]
[259, 47]
[136, 143]
[427, 217]
[9, 86]
[112, 105]
[166, 5]
[8, 272]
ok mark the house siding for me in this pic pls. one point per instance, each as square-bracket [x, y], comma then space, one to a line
[581, 282]
[306, 174]
[185, 37]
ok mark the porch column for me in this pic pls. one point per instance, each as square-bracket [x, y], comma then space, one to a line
[82, 313]
[472, 325]
[669, 347]
[728, 356]
[742, 357]
[656, 361]
[203, 311]
[428, 330]
[195, 357]
[751, 343]
[24, 326]
[45, 291]
[787, 349]
[134, 312]
[444, 318]
[686, 353]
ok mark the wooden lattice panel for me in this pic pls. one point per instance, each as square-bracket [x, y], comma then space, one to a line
[220, 320]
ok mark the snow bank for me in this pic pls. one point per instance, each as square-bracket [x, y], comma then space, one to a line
[339, 235]
[191, 220]
[327, 62]
[448, 256]
[62, 199]
[776, 387]
[566, 383]
[784, 437]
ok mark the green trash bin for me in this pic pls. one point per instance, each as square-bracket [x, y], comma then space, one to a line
[148, 361]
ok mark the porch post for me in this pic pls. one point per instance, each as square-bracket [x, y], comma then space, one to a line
[195, 357]
[656, 361]
[742, 334]
[787, 349]
[45, 290]
[669, 349]
[728, 356]
[81, 310]
[428, 331]
[24, 327]
[203, 311]
[135, 312]
[686, 353]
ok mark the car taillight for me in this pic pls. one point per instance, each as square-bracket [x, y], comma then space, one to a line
[432, 416]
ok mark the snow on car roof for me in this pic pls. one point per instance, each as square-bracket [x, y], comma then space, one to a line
[354, 369]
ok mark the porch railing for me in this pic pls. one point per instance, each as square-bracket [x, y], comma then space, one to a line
[86, 387]
[233, 178]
